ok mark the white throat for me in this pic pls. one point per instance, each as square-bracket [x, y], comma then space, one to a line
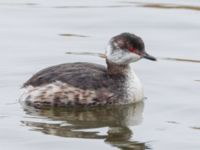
[134, 88]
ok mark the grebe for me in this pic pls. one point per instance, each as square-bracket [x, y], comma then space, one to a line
[88, 84]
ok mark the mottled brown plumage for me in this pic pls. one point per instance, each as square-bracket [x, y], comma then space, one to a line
[81, 75]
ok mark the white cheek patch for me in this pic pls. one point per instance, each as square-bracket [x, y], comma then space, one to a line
[135, 57]
[121, 56]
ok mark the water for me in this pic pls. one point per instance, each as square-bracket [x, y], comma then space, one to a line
[36, 34]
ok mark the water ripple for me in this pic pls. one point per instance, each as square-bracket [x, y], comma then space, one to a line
[166, 6]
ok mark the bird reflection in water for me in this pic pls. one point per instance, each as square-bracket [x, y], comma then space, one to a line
[75, 122]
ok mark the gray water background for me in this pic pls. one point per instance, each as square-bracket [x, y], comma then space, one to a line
[36, 33]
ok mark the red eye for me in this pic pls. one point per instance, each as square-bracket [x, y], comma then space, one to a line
[132, 49]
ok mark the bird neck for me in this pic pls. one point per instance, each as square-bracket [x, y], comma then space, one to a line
[116, 69]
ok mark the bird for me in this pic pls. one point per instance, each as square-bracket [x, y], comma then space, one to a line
[87, 84]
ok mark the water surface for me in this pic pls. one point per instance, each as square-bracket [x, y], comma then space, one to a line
[36, 34]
